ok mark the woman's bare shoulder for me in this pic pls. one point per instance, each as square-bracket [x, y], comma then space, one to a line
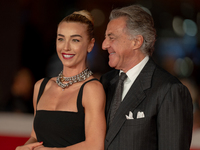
[39, 82]
[93, 86]
[93, 93]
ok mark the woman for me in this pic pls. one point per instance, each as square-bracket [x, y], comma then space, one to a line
[69, 109]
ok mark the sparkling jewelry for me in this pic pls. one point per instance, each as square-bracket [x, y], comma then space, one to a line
[74, 79]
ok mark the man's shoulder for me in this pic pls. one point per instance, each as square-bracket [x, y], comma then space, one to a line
[159, 74]
[109, 75]
[163, 77]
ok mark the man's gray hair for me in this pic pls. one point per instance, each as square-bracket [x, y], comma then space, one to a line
[138, 22]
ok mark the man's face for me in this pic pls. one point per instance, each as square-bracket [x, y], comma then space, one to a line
[119, 45]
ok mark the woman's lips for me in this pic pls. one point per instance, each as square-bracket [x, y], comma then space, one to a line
[67, 56]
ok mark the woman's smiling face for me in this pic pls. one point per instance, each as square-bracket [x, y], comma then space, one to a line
[72, 44]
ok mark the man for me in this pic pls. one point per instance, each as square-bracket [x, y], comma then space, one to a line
[155, 111]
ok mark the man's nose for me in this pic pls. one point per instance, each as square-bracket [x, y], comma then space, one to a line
[105, 44]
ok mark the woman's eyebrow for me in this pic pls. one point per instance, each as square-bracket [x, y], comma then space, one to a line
[76, 35]
[60, 35]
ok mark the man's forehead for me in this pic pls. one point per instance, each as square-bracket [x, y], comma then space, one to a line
[114, 26]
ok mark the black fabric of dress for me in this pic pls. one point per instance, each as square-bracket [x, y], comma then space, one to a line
[60, 128]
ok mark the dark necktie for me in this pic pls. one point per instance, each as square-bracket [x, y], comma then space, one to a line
[117, 96]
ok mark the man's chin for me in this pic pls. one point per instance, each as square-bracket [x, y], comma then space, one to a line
[112, 64]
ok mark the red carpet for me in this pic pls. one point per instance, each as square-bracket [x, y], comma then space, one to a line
[10, 143]
[15, 130]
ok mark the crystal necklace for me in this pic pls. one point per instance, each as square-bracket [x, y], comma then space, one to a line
[74, 79]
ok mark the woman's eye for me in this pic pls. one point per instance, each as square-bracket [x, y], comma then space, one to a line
[60, 39]
[76, 40]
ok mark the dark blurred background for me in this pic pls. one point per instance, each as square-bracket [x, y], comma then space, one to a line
[28, 35]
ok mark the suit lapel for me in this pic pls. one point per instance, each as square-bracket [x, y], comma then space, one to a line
[133, 98]
[130, 102]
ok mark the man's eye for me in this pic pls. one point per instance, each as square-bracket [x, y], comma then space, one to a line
[111, 38]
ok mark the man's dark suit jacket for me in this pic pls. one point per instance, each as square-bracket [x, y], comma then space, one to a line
[167, 106]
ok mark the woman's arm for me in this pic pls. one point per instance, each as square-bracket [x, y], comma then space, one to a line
[31, 143]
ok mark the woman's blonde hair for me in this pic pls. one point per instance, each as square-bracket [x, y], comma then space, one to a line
[82, 16]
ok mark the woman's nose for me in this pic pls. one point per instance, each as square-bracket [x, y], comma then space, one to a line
[66, 46]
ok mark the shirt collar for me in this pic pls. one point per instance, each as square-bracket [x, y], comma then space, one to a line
[134, 72]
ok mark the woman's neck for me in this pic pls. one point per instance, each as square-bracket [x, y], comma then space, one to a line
[69, 72]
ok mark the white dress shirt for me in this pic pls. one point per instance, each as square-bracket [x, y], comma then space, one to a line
[132, 75]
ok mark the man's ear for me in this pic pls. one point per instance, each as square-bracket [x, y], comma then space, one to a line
[138, 41]
[91, 45]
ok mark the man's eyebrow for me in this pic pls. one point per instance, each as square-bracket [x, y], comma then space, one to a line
[110, 34]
